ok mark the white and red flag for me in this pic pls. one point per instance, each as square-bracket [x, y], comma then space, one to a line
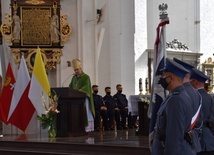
[21, 109]
[158, 93]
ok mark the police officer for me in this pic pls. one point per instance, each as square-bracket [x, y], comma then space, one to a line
[197, 104]
[174, 115]
[198, 80]
[111, 108]
[100, 109]
[122, 104]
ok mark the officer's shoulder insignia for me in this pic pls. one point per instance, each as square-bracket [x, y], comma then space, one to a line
[175, 93]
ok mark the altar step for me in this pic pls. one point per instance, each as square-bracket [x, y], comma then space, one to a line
[37, 148]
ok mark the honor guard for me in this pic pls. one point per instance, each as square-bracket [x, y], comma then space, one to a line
[174, 115]
[198, 80]
[196, 98]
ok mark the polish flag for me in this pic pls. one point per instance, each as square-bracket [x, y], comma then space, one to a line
[158, 94]
[21, 109]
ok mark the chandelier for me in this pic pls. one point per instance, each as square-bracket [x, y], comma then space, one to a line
[35, 2]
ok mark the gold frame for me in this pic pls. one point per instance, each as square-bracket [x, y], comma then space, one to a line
[51, 57]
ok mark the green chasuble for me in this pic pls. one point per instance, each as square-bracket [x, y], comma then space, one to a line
[83, 84]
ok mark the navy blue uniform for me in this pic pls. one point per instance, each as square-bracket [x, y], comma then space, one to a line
[196, 100]
[98, 103]
[111, 105]
[173, 120]
[122, 102]
[207, 138]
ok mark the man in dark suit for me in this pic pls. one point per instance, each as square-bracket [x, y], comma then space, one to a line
[174, 115]
[198, 80]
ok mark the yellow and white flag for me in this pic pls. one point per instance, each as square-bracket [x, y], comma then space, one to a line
[39, 84]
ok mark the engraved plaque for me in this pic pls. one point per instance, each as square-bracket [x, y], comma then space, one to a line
[35, 26]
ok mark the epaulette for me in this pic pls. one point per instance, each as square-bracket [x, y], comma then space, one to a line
[175, 93]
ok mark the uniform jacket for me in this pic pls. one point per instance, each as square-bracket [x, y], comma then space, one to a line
[98, 101]
[173, 120]
[121, 100]
[109, 102]
[196, 100]
[207, 138]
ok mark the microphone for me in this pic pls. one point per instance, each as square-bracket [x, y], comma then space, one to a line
[67, 79]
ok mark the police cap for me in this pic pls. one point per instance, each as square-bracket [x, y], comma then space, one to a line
[184, 64]
[198, 75]
[174, 67]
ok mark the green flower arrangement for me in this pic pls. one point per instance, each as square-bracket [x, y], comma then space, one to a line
[49, 118]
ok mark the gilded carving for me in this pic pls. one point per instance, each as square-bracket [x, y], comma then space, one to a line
[32, 25]
[51, 57]
[6, 28]
[36, 26]
[16, 55]
[66, 29]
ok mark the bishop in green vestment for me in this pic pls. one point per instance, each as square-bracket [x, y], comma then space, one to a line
[81, 81]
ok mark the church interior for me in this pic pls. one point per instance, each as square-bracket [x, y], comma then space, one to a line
[114, 39]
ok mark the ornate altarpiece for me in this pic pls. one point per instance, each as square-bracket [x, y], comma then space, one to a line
[33, 24]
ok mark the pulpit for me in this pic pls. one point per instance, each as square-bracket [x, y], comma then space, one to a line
[71, 119]
[143, 119]
[140, 108]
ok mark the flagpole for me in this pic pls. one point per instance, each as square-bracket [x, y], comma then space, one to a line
[163, 16]
[158, 94]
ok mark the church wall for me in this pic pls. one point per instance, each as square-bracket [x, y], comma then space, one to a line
[182, 16]
[103, 62]
[86, 37]
[206, 29]
[140, 43]
[70, 49]
[127, 47]
[116, 61]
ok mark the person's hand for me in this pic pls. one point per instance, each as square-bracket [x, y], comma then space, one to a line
[103, 108]
[116, 108]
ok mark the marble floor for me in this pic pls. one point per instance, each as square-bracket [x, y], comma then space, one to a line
[125, 138]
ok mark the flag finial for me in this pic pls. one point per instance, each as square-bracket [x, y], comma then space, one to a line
[162, 8]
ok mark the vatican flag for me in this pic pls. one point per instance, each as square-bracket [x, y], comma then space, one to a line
[39, 87]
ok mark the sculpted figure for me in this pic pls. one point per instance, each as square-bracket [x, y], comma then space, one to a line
[16, 27]
[54, 30]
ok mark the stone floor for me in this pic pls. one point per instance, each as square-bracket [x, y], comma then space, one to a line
[117, 141]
